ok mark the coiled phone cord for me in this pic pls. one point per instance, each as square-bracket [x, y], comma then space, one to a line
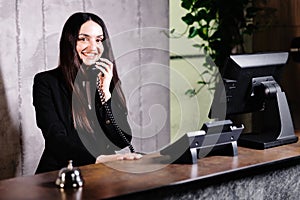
[111, 117]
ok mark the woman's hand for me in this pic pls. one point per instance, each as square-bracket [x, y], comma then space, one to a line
[106, 73]
[114, 157]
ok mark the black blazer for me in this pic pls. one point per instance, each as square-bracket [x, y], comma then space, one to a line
[52, 101]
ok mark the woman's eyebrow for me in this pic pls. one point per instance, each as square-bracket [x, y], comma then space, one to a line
[83, 34]
[87, 35]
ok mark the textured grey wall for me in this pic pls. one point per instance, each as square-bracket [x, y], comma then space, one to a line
[29, 36]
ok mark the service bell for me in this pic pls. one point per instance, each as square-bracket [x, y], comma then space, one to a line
[69, 177]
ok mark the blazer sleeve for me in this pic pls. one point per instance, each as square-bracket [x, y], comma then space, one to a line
[61, 140]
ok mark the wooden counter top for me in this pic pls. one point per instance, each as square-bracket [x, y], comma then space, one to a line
[149, 174]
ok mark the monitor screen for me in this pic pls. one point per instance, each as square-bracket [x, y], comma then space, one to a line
[242, 73]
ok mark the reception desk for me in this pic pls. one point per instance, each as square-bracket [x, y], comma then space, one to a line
[151, 178]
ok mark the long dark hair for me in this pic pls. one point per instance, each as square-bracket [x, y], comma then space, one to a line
[70, 64]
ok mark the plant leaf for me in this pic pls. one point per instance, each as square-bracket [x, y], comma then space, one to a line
[187, 4]
[188, 19]
[202, 32]
[190, 92]
[193, 32]
[201, 82]
[197, 45]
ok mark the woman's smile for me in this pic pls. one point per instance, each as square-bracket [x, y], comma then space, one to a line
[92, 56]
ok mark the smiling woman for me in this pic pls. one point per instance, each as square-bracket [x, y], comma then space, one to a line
[30, 37]
[75, 127]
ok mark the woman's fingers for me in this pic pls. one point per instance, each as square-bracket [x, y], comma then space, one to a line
[106, 61]
[105, 64]
[115, 157]
[132, 156]
[105, 67]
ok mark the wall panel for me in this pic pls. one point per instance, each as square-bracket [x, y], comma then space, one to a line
[10, 146]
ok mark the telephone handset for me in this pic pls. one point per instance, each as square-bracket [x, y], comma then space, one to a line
[108, 110]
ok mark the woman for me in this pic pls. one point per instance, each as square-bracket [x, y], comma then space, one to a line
[79, 105]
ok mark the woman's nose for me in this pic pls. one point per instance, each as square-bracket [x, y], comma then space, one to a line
[93, 45]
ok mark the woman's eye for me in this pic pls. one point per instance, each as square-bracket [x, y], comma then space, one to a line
[82, 39]
[100, 39]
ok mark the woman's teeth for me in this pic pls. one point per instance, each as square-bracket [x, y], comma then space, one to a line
[90, 55]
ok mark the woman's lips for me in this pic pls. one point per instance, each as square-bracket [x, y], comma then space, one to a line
[89, 58]
[90, 55]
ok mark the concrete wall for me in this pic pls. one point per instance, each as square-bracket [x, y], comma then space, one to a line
[29, 36]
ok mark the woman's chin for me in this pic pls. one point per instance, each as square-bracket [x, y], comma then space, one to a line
[89, 61]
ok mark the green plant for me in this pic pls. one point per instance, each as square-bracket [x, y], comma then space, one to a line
[221, 25]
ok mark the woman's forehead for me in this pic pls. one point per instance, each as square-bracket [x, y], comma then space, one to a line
[91, 28]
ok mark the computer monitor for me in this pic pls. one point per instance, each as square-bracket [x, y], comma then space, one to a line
[252, 86]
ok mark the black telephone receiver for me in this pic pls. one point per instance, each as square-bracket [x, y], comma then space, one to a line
[95, 71]
[92, 71]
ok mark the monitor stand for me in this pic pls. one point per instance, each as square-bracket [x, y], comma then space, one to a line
[273, 125]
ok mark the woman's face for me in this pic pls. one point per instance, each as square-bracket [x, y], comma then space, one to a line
[89, 42]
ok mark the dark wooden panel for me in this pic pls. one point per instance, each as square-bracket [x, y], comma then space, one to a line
[278, 37]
